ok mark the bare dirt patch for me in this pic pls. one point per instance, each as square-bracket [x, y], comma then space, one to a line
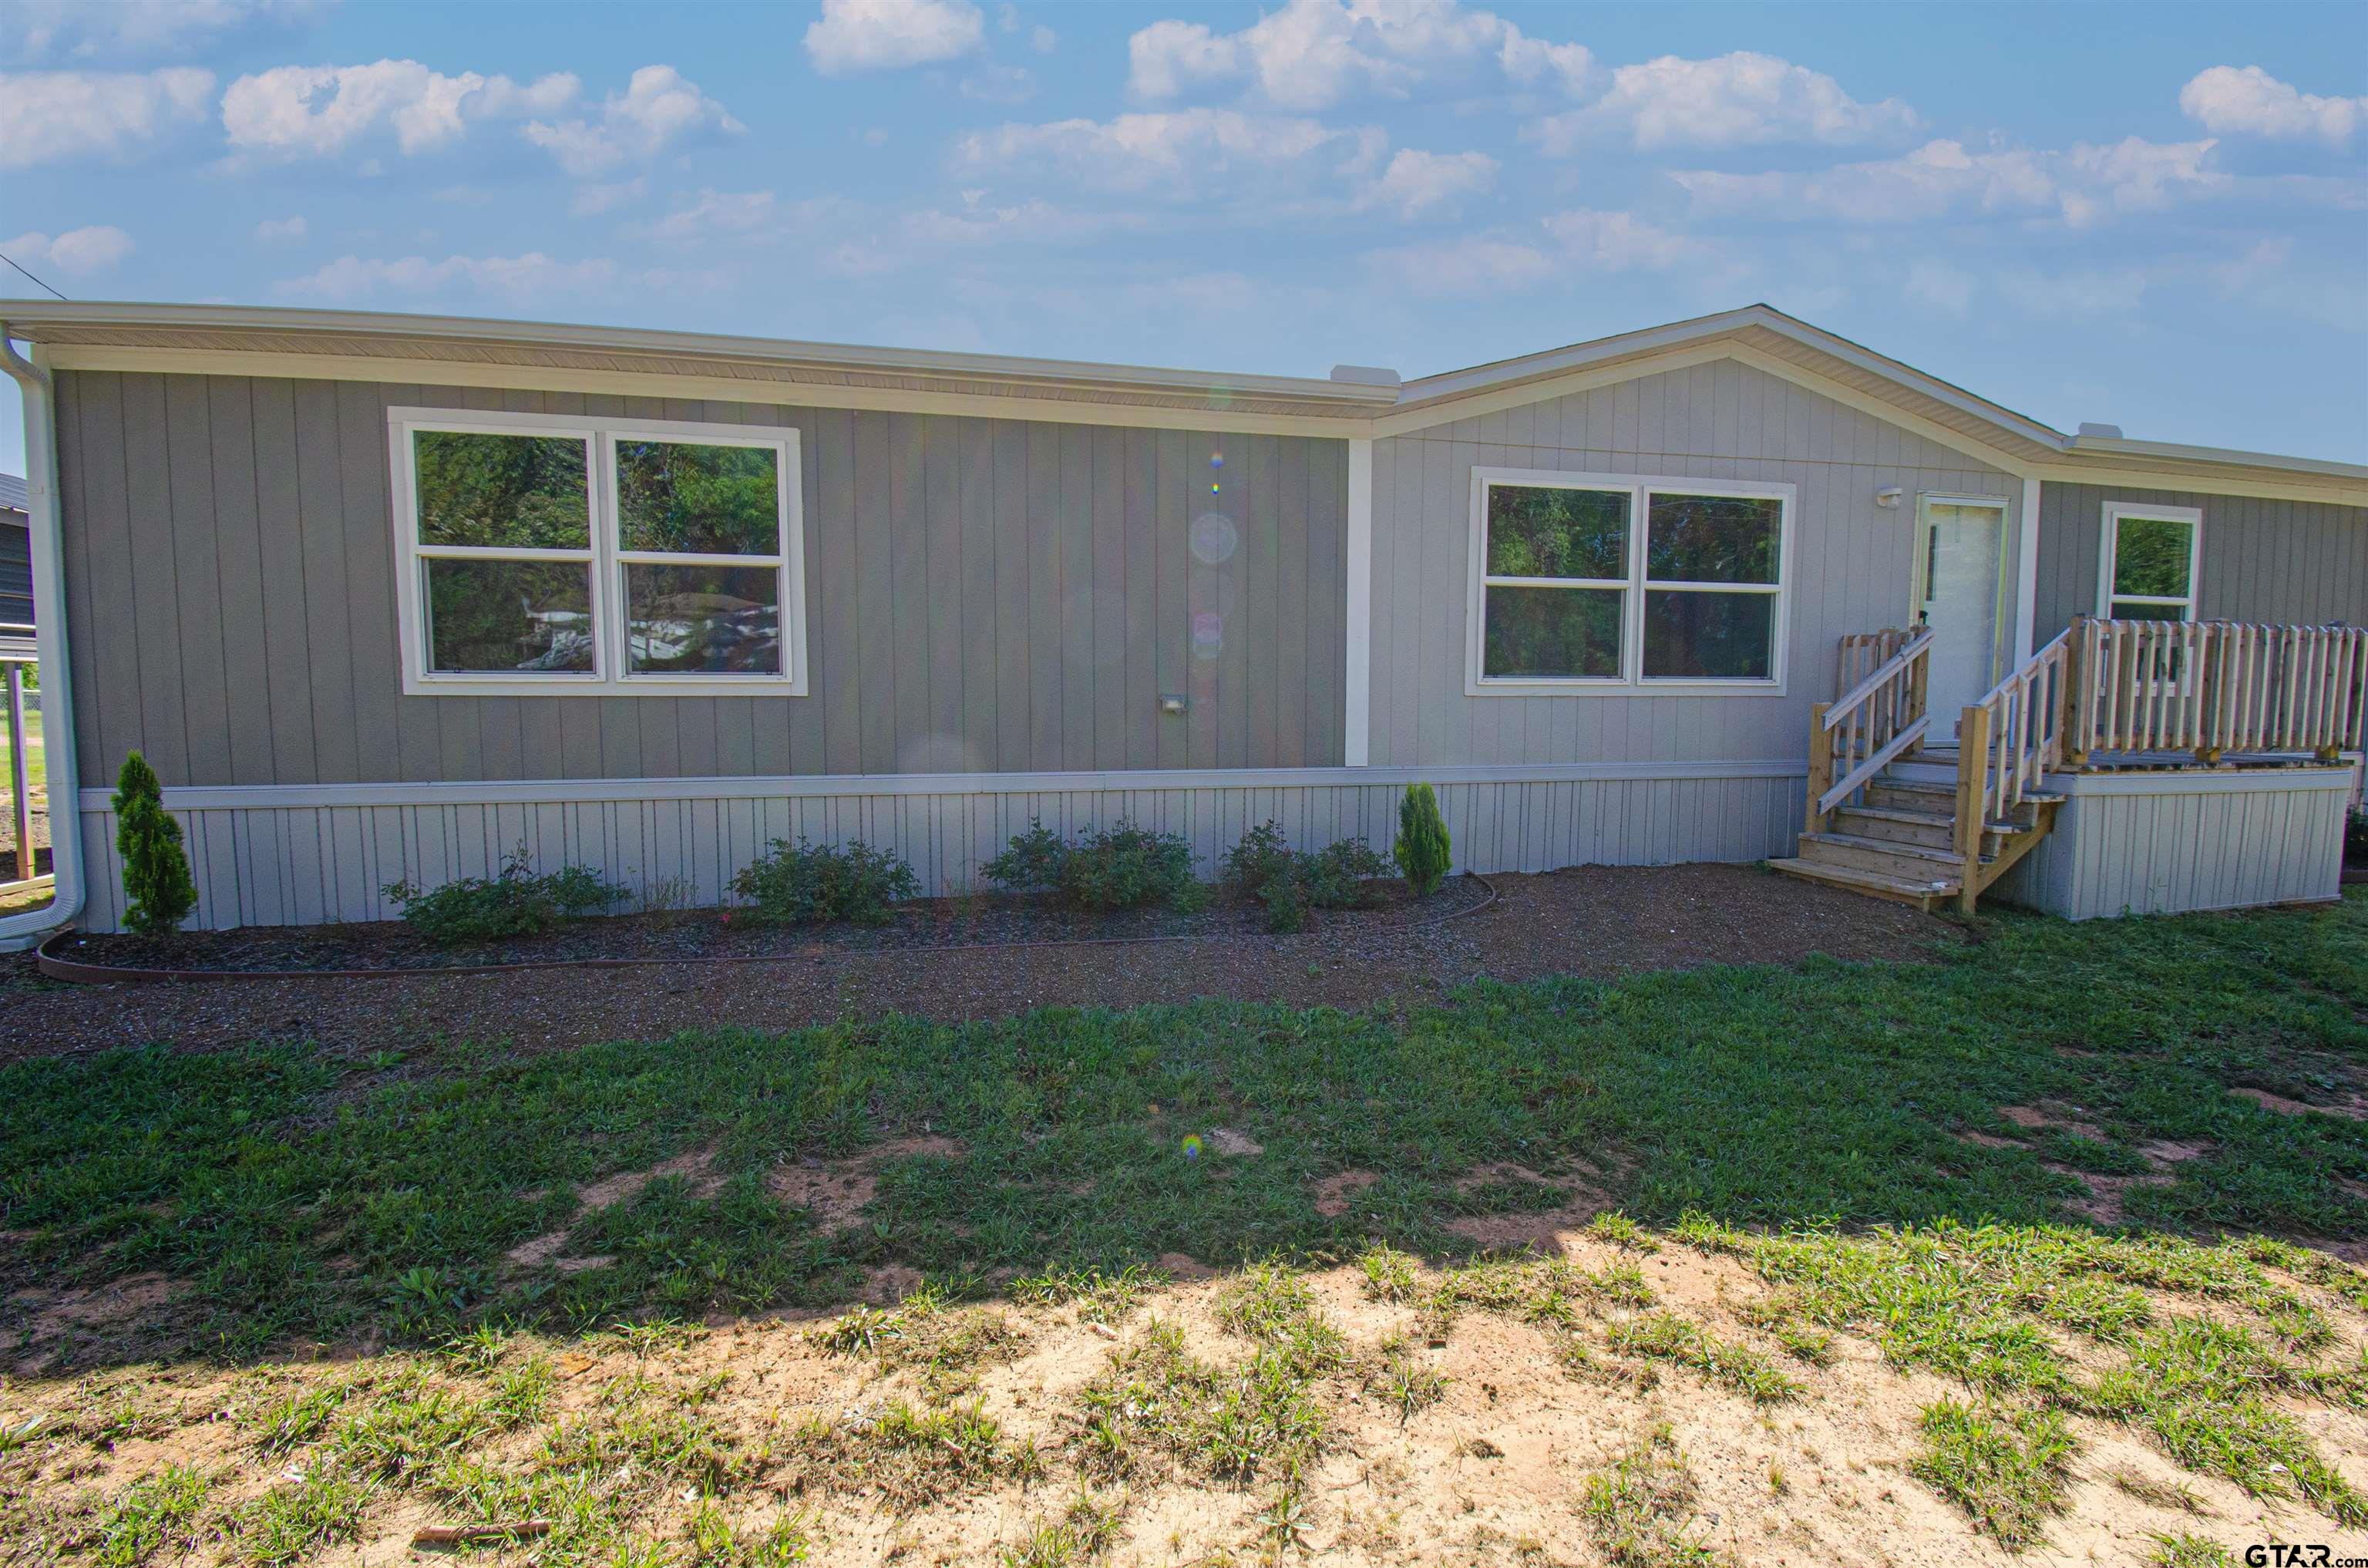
[2108, 1194]
[2286, 1107]
[1546, 1230]
[1237, 1145]
[1492, 1467]
[835, 1192]
[1990, 1140]
[1336, 1194]
[2051, 1116]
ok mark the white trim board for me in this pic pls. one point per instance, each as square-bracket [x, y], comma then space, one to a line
[1357, 683]
[771, 391]
[2205, 780]
[564, 792]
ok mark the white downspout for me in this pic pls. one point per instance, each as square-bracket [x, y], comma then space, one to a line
[1356, 630]
[48, 530]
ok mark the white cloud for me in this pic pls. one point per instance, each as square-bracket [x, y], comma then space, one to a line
[73, 253]
[1942, 286]
[1472, 264]
[889, 35]
[1740, 99]
[1415, 182]
[1312, 54]
[52, 116]
[1187, 153]
[2081, 185]
[992, 82]
[977, 223]
[2229, 101]
[80, 30]
[320, 110]
[658, 106]
[1043, 40]
[715, 213]
[1621, 242]
[592, 200]
[282, 231]
[513, 277]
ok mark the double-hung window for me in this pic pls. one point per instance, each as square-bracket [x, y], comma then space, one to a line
[553, 554]
[2151, 560]
[1600, 583]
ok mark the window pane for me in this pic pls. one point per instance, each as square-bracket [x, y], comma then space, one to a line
[2125, 611]
[1535, 531]
[2150, 556]
[509, 615]
[516, 491]
[1710, 636]
[707, 620]
[1713, 539]
[1552, 633]
[700, 500]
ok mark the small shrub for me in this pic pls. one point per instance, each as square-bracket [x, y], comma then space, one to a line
[1422, 850]
[158, 893]
[2355, 836]
[1341, 875]
[1033, 863]
[1259, 859]
[518, 903]
[1119, 867]
[803, 881]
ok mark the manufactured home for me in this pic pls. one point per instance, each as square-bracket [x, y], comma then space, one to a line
[383, 597]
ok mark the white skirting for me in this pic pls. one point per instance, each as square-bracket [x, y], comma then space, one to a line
[307, 855]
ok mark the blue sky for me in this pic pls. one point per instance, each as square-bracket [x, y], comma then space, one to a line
[2151, 215]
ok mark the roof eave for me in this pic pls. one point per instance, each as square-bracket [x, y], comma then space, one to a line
[28, 318]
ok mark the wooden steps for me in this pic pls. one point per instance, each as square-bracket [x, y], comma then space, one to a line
[1900, 840]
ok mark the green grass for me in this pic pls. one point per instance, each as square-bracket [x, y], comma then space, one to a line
[1641, 1509]
[295, 1192]
[36, 754]
[2007, 1468]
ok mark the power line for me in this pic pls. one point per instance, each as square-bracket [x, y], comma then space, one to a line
[13, 262]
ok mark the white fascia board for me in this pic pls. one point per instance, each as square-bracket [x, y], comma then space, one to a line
[2181, 452]
[30, 315]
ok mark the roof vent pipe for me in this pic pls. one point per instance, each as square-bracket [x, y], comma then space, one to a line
[1366, 375]
[2104, 432]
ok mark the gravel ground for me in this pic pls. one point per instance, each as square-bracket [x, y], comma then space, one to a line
[1594, 920]
[995, 919]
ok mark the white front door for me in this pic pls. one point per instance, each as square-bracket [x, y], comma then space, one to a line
[1958, 567]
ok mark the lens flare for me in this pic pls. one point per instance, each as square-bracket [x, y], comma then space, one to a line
[1191, 1145]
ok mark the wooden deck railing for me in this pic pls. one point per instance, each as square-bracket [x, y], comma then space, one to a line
[1878, 719]
[2214, 686]
[2014, 735]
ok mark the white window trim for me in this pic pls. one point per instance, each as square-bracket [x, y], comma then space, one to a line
[1631, 681]
[610, 674]
[2108, 541]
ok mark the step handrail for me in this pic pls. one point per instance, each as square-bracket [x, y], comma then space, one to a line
[2007, 742]
[1839, 709]
[1878, 719]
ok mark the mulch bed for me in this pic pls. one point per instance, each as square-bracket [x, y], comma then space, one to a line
[1592, 921]
[990, 920]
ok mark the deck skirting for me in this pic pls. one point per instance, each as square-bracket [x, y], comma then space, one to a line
[303, 854]
[2136, 841]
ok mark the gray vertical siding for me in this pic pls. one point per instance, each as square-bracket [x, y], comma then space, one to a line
[2282, 562]
[1723, 420]
[326, 860]
[2165, 843]
[984, 595]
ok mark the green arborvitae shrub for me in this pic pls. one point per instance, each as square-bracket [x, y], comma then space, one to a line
[518, 903]
[803, 881]
[158, 893]
[1119, 867]
[1422, 850]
